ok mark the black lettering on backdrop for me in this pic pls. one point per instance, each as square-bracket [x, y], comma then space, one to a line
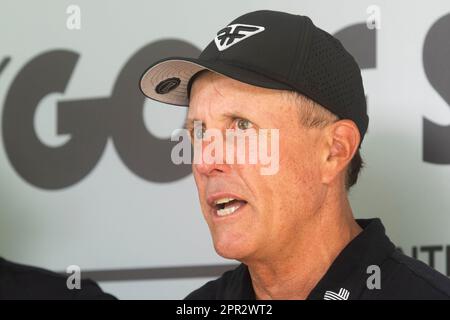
[431, 251]
[361, 42]
[90, 122]
[436, 62]
[4, 63]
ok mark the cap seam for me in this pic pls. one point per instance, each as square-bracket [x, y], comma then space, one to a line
[294, 72]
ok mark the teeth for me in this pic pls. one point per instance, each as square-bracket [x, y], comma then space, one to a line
[223, 200]
[227, 211]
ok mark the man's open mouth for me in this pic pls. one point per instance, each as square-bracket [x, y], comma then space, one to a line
[227, 206]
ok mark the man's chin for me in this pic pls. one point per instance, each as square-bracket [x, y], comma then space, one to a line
[237, 250]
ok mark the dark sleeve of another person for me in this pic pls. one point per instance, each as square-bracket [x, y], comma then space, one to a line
[26, 282]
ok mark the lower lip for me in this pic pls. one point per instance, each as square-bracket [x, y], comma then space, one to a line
[236, 213]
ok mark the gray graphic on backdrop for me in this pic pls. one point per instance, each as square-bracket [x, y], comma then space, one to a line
[90, 122]
[157, 273]
[4, 63]
[436, 62]
[361, 42]
[39, 164]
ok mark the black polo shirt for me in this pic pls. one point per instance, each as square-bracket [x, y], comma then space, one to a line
[401, 277]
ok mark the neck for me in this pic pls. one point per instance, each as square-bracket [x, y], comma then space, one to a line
[295, 271]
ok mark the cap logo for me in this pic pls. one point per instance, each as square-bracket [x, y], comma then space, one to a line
[235, 33]
[167, 85]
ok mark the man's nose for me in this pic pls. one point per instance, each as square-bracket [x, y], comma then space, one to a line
[210, 159]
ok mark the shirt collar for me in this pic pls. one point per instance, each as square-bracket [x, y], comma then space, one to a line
[349, 270]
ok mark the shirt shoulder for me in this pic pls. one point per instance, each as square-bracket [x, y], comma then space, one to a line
[26, 282]
[231, 285]
[403, 277]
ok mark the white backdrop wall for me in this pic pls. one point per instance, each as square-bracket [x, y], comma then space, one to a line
[83, 174]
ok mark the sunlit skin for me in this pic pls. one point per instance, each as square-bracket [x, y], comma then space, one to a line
[295, 222]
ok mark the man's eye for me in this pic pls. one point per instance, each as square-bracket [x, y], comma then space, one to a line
[199, 132]
[244, 124]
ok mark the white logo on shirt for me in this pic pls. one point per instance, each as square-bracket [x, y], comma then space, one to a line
[343, 294]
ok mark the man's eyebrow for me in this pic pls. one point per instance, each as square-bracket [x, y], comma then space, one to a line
[234, 114]
[188, 122]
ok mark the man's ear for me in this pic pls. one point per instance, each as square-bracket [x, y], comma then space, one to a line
[342, 140]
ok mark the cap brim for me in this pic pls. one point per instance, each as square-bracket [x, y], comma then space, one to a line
[185, 68]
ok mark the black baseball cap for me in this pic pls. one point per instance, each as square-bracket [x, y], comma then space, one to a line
[273, 50]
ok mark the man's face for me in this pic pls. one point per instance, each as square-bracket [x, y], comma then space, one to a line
[272, 209]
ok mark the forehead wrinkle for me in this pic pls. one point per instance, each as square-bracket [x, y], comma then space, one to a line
[214, 82]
